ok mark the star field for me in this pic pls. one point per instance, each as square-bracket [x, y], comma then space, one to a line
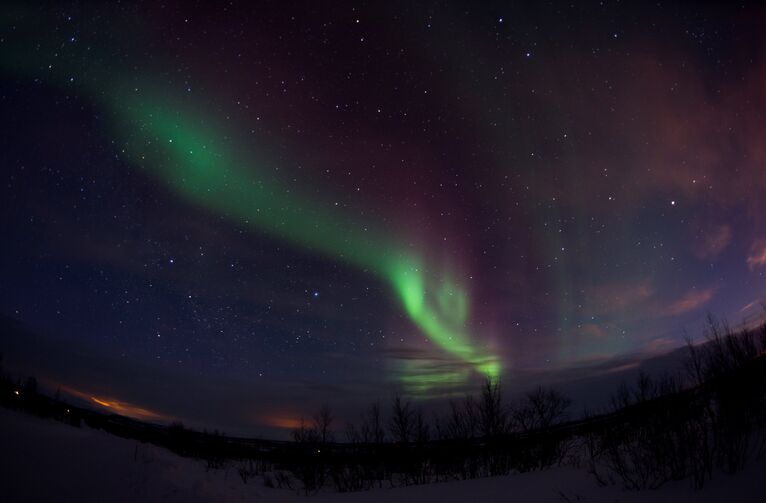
[301, 202]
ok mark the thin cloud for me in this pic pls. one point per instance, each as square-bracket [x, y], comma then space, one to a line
[691, 301]
[757, 257]
[713, 242]
[615, 297]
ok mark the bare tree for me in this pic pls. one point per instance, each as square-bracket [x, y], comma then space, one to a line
[462, 422]
[305, 434]
[402, 421]
[645, 388]
[421, 429]
[352, 434]
[695, 364]
[493, 419]
[541, 408]
[323, 424]
[372, 430]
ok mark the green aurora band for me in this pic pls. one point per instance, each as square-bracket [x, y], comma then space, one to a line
[178, 149]
[198, 162]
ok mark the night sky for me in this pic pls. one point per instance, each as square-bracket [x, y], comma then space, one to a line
[228, 213]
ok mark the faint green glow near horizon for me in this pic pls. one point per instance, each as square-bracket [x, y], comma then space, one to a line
[200, 166]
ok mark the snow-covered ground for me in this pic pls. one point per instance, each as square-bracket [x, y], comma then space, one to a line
[42, 460]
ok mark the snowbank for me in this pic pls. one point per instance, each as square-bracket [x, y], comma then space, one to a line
[42, 460]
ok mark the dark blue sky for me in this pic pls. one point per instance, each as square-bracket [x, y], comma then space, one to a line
[592, 174]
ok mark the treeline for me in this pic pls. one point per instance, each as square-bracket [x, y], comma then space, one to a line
[709, 416]
[479, 437]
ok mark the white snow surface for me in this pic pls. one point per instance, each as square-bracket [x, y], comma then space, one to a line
[43, 460]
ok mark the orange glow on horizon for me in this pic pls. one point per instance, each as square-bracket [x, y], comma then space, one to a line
[101, 402]
[118, 406]
[130, 410]
[280, 421]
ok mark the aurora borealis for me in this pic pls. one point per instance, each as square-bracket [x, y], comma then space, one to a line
[303, 203]
[190, 163]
